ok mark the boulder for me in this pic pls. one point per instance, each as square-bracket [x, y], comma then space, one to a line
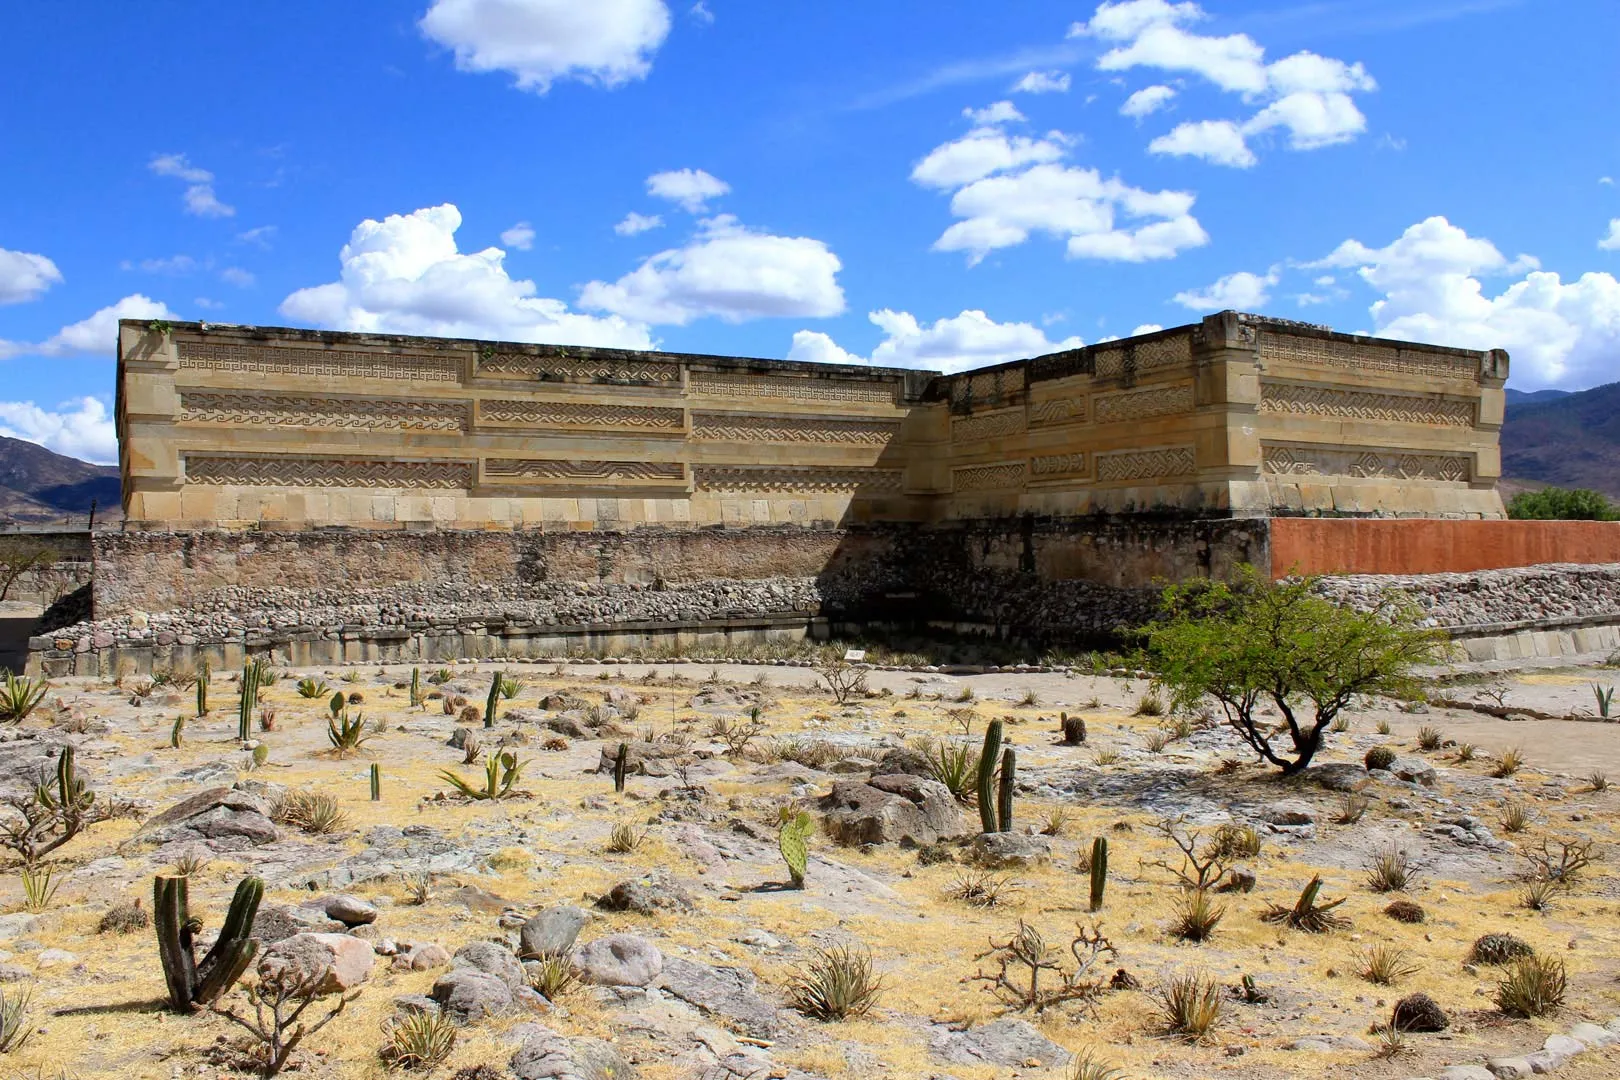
[275, 923]
[468, 995]
[349, 910]
[222, 818]
[903, 759]
[619, 960]
[1007, 1043]
[1338, 776]
[459, 738]
[724, 992]
[1413, 770]
[620, 698]
[491, 959]
[553, 931]
[1286, 812]
[889, 809]
[321, 963]
[656, 892]
[642, 758]
[423, 957]
[1009, 851]
[545, 1055]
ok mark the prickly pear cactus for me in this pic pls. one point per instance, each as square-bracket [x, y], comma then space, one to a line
[794, 842]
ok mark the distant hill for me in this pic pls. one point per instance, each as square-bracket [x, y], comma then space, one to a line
[39, 485]
[1521, 397]
[1563, 439]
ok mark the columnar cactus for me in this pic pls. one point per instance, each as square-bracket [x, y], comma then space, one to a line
[621, 766]
[250, 699]
[493, 701]
[1004, 796]
[202, 692]
[376, 782]
[1099, 871]
[794, 843]
[193, 985]
[177, 733]
[416, 687]
[987, 772]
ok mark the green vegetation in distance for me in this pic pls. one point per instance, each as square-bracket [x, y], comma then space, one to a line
[1562, 504]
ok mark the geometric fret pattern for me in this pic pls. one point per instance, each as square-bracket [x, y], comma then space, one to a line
[293, 410]
[1364, 405]
[327, 472]
[752, 427]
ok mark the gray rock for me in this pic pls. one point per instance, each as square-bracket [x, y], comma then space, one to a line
[16, 925]
[1288, 812]
[553, 931]
[223, 818]
[469, 995]
[656, 892]
[640, 759]
[1564, 1046]
[1593, 1035]
[416, 1003]
[458, 738]
[1008, 1043]
[491, 959]
[1466, 1072]
[1338, 776]
[619, 960]
[1510, 1068]
[903, 759]
[889, 809]
[350, 910]
[1545, 1061]
[422, 958]
[1413, 770]
[725, 992]
[275, 923]
[1009, 851]
[546, 1055]
[322, 963]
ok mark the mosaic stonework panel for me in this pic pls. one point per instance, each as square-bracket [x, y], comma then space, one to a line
[1339, 403]
[1278, 460]
[569, 414]
[1057, 411]
[1146, 464]
[987, 426]
[1058, 465]
[327, 472]
[284, 360]
[788, 479]
[519, 469]
[1141, 404]
[296, 410]
[989, 477]
[986, 388]
[746, 427]
[1355, 356]
[720, 384]
[1130, 360]
[562, 365]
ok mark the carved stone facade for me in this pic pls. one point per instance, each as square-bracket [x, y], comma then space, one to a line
[243, 428]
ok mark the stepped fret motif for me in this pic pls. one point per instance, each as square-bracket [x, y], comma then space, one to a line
[1364, 405]
[1058, 465]
[987, 426]
[1058, 411]
[334, 363]
[585, 365]
[988, 477]
[1146, 464]
[720, 384]
[293, 410]
[810, 481]
[508, 469]
[327, 472]
[1141, 404]
[749, 427]
[568, 414]
[1280, 460]
[1356, 356]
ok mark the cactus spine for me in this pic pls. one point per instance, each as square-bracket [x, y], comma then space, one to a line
[416, 687]
[376, 782]
[1099, 871]
[493, 701]
[794, 843]
[193, 984]
[987, 773]
[621, 766]
[1004, 796]
[250, 698]
[202, 692]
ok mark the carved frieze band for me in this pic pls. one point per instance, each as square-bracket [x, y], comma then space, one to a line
[1364, 405]
[987, 387]
[1144, 356]
[1279, 460]
[568, 414]
[521, 365]
[281, 360]
[987, 425]
[297, 410]
[518, 469]
[1071, 410]
[327, 472]
[789, 479]
[1141, 404]
[1146, 464]
[988, 477]
[753, 427]
[1058, 465]
[720, 384]
[1356, 356]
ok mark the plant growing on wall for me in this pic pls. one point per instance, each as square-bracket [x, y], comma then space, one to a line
[1253, 641]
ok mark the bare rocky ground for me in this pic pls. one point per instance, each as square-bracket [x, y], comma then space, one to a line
[715, 935]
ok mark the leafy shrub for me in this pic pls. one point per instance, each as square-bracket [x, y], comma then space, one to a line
[1562, 504]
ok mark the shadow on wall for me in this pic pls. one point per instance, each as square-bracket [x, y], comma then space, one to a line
[14, 633]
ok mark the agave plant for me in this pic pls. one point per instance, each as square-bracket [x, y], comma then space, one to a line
[347, 734]
[312, 688]
[19, 697]
[501, 774]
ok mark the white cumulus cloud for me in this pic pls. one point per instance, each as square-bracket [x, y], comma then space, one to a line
[729, 272]
[404, 275]
[689, 189]
[25, 277]
[635, 224]
[1043, 82]
[971, 339]
[81, 428]
[604, 42]
[1305, 95]
[1241, 291]
[519, 236]
[96, 335]
[980, 153]
[1608, 243]
[1564, 334]
[1000, 112]
[199, 197]
[1146, 101]
[235, 275]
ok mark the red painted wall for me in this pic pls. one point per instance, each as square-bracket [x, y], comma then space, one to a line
[1427, 546]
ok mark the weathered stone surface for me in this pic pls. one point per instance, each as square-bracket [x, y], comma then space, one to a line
[553, 931]
[350, 910]
[222, 818]
[470, 995]
[641, 758]
[274, 923]
[1593, 1035]
[491, 959]
[1465, 1072]
[546, 1055]
[1009, 851]
[1009, 1043]
[903, 759]
[619, 960]
[656, 892]
[1510, 1068]
[724, 992]
[1413, 770]
[326, 963]
[422, 957]
[894, 808]
[1286, 812]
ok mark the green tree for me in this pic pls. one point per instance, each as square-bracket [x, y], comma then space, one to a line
[1252, 642]
[1562, 504]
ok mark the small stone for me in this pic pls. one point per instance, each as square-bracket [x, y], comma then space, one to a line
[319, 963]
[552, 932]
[1009, 851]
[1594, 1036]
[1510, 1068]
[350, 910]
[50, 958]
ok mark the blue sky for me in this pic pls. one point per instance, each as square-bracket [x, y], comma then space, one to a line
[931, 184]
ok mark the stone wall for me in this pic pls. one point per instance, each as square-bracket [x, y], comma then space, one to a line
[69, 571]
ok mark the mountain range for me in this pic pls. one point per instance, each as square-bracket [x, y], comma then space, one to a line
[40, 486]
